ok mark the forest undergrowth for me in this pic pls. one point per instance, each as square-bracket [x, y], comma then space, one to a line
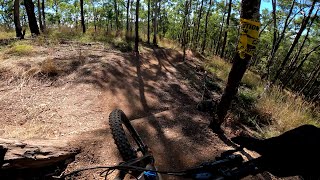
[269, 110]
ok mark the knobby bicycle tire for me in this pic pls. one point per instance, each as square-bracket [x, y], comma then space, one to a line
[117, 119]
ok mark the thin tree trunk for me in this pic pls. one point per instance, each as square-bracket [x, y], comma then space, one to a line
[56, 10]
[220, 33]
[316, 97]
[194, 23]
[39, 15]
[116, 11]
[188, 27]
[31, 17]
[155, 23]
[94, 18]
[148, 21]
[131, 27]
[43, 16]
[82, 17]
[185, 24]
[300, 65]
[314, 74]
[295, 41]
[136, 47]
[312, 86]
[226, 30]
[206, 28]
[198, 25]
[249, 10]
[16, 19]
[275, 32]
[276, 43]
[296, 57]
[128, 8]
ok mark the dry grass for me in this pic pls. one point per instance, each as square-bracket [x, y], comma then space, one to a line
[7, 34]
[251, 80]
[45, 68]
[219, 67]
[287, 110]
[29, 130]
[20, 48]
[164, 42]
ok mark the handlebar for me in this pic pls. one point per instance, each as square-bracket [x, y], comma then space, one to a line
[225, 167]
[229, 167]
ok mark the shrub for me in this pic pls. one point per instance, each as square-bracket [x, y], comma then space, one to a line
[122, 45]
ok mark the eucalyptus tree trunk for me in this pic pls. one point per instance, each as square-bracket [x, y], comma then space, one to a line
[43, 15]
[304, 23]
[149, 4]
[194, 22]
[39, 15]
[198, 25]
[316, 97]
[136, 46]
[220, 32]
[56, 11]
[277, 41]
[128, 22]
[155, 23]
[315, 73]
[226, 30]
[16, 19]
[249, 11]
[206, 28]
[82, 17]
[94, 18]
[31, 17]
[293, 62]
[116, 12]
[296, 69]
[185, 28]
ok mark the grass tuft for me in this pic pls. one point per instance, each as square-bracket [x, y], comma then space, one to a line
[20, 49]
[7, 35]
[45, 68]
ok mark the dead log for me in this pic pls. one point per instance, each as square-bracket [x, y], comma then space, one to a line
[35, 158]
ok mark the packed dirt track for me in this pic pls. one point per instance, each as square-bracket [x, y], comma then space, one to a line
[67, 92]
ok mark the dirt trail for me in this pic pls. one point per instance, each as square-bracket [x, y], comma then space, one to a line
[159, 93]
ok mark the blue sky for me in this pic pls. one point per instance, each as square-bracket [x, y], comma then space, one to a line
[266, 5]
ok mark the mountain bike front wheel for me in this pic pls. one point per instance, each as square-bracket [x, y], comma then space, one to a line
[122, 130]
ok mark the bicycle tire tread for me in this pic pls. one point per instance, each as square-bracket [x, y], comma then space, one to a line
[116, 119]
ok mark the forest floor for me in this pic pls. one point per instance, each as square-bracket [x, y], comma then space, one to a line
[67, 91]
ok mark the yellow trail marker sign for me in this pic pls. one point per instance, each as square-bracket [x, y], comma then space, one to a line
[249, 37]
